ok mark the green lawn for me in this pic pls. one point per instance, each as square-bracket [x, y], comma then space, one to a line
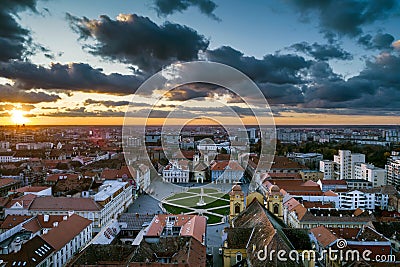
[212, 218]
[192, 197]
[205, 190]
[222, 211]
[192, 202]
[175, 210]
[216, 203]
[179, 195]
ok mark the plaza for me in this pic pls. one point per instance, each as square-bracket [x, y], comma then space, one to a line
[209, 202]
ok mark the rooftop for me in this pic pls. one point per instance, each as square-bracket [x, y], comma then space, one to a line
[66, 230]
[64, 204]
[190, 225]
[108, 189]
[32, 253]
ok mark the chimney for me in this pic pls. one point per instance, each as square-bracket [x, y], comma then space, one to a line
[55, 224]
[46, 218]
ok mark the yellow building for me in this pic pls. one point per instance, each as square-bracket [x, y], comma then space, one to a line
[275, 201]
[255, 195]
[236, 202]
[235, 246]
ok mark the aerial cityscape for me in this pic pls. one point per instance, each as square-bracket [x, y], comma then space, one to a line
[199, 133]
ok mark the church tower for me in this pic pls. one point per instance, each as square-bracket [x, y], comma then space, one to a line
[236, 202]
[275, 201]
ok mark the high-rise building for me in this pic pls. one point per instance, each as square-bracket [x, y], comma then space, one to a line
[375, 175]
[343, 165]
[393, 169]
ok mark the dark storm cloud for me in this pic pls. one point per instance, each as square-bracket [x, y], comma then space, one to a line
[346, 17]
[322, 52]
[14, 39]
[14, 95]
[74, 77]
[137, 40]
[106, 103]
[381, 41]
[279, 69]
[377, 86]
[191, 91]
[168, 7]
[287, 94]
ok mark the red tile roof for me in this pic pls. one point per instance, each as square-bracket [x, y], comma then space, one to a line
[295, 186]
[64, 204]
[7, 181]
[191, 225]
[66, 230]
[24, 201]
[31, 189]
[113, 174]
[323, 235]
[13, 220]
[223, 164]
[291, 204]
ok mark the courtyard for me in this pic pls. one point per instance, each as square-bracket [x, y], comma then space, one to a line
[209, 202]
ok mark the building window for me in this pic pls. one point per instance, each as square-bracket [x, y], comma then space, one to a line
[276, 209]
[239, 257]
[237, 208]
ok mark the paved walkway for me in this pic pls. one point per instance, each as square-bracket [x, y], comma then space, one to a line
[145, 204]
[172, 201]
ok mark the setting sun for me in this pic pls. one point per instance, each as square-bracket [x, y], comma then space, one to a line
[17, 117]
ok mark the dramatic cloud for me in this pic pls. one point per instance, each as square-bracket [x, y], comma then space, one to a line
[168, 7]
[139, 41]
[377, 86]
[14, 39]
[6, 107]
[83, 112]
[396, 45]
[106, 103]
[279, 69]
[346, 17]
[381, 41]
[11, 94]
[322, 52]
[73, 77]
[193, 90]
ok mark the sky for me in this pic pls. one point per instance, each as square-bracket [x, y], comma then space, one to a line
[315, 62]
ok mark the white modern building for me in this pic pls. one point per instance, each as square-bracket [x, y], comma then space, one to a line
[393, 169]
[370, 173]
[346, 161]
[327, 167]
[343, 165]
[368, 199]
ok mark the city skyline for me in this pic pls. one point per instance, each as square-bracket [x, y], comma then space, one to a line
[328, 63]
